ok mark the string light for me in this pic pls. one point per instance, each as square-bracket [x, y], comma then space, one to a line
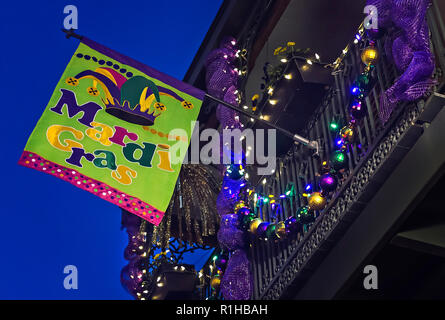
[339, 142]
[340, 157]
[309, 61]
[273, 102]
[284, 60]
[333, 126]
[288, 76]
[317, 57]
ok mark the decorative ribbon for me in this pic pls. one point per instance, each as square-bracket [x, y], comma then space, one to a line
[131, 274]
[408, 46]
[221, 80]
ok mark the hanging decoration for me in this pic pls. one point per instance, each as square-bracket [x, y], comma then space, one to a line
[370, 56]
[245, 214]
[408, 46]
[146, 260]
[102, 98]
[235, 282]
[345, 132]
[328, 182]
[316, 201]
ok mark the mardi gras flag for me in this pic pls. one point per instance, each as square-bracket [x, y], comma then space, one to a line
[107, 129]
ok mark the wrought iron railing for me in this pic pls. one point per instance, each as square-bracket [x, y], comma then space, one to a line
[279, 267]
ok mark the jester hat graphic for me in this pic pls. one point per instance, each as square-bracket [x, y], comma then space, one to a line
[136, 100]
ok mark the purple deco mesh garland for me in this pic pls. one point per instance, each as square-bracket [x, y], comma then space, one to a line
[408, 46]
[131, 274]
[221, 81]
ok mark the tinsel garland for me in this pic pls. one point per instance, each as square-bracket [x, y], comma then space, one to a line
[193, 201]
[221, 81]
[192, 205]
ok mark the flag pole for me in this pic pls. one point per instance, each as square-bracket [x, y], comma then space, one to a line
[70, 33]
[310, 144]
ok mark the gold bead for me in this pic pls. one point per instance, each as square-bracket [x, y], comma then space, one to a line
[215, 283]
[316, 201]
[370, 55]
[240, 204]
[280, 230]
[254, 225]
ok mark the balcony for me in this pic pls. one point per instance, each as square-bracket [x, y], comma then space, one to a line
[374, 195]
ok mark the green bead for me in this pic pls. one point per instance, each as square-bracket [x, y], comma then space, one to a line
[270, 231]
[248, 219]
[338, 160]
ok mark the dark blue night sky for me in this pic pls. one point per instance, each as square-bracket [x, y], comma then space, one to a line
[46, 223]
